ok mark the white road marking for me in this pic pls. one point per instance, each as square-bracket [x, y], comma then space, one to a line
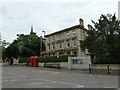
[19, 75]
[7, 77]
[63, 82]
[35, 83]
[48, 86]
[75, 85]
[109, 87]
[13, 80]
[79, 86]
[5, 80]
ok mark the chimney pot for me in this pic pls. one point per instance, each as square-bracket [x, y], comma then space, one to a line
[81, 22]
[89, 27]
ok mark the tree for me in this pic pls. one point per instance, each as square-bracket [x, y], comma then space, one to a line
[3, 45]
[103, 41]
[25, 46]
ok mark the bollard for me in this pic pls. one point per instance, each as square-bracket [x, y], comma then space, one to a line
[44, 64]
[58, 66]
[108, 68]
[89, 69]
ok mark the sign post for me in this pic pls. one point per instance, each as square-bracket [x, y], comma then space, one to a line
[58, 57]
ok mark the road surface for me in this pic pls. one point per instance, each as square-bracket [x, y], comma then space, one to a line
[29, 77]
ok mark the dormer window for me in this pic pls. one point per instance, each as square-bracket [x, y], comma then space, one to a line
[67, 34]
[73, 33]
[60, 36]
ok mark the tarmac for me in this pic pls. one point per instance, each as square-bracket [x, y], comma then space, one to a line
[78, 71]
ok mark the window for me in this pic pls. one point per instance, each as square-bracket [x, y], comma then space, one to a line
[73, 33]
[60, 45]
[75, 52]
[53, 45]
[48, 46]
[68, 43]
[74, 43]
[49, 39]
[53, 37]
[68, 52]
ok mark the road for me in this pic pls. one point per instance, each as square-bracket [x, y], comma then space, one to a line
[29, 77]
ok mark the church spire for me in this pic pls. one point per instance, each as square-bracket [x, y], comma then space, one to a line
[31, 32]
[31, 29]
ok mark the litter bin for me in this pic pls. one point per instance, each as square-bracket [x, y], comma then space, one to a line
[33, 61]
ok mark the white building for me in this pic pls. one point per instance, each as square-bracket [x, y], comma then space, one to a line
[66, 41]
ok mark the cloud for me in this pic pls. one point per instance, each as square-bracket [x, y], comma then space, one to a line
[51, 16]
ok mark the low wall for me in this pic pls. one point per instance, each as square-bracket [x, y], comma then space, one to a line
[105, 67]
[63, 65]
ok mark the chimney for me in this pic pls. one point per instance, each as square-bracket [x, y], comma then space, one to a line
[89, 27]
[81, 22]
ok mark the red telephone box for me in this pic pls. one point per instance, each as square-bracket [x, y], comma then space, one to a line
[33, 61]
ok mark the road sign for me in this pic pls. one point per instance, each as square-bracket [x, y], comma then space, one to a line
[57, 55]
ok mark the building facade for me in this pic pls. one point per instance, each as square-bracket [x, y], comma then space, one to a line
[67, 41]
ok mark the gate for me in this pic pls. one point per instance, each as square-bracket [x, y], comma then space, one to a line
[79, 62]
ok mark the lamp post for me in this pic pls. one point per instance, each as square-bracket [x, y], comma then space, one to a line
[41, 39]
[40, 44]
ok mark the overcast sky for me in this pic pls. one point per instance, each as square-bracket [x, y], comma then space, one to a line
[17, 16]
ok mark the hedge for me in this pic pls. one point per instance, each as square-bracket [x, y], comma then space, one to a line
[24, 60]
[62, 58]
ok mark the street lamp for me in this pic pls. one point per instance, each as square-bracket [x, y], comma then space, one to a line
[40, 44]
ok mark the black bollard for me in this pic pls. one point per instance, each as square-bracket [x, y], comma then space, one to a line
[58, 66]
[89, 68]
[108, 68]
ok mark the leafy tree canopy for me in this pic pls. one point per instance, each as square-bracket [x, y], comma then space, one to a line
[103, 40]
[25, 46]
